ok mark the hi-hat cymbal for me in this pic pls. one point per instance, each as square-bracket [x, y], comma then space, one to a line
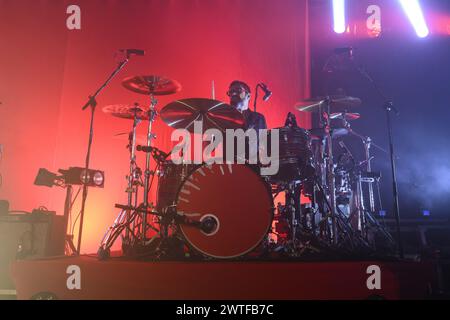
[152, 84]
[320, 133]
[348, 116]
[127, 111]
[337, 103]
[181, 114]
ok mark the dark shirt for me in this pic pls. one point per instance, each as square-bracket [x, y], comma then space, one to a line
[254, 120]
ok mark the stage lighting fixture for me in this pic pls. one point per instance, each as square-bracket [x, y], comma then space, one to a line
[426, 213]
[339, 16]
[415, 15]
[46, 178]
[98, 178]
[78, 176]
[382, 213]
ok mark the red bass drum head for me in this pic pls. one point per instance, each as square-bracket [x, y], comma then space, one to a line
[233, 201]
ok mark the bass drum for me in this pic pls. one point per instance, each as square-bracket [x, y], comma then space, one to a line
[235, 204]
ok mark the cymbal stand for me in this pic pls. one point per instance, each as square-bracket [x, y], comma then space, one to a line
[127, 215]
[360, 207]
[367, 144]
[293, 208]
[148, 172]
[134, 173]
[367, 141]
[326, 121]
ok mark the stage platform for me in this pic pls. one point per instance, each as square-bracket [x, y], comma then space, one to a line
[86, 277]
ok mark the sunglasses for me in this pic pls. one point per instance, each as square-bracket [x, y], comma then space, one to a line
[235, 91]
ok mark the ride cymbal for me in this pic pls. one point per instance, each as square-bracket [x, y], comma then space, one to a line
[337, 103]
[181, 114]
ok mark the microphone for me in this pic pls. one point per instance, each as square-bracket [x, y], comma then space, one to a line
[144, 148]
[160, 155]
[208, 225]
[267, 92]
[136, 52]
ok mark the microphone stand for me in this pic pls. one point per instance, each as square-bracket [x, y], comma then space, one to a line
[256, 97]
[92, 102]
[266, 97]
[388, 106]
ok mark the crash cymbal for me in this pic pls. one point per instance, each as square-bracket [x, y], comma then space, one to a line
[127, 111]
[181, 114]
[155, 85]
[319, 133]
[337, 103]
[345, 116]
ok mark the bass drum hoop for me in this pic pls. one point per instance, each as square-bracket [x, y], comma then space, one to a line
[266, 232]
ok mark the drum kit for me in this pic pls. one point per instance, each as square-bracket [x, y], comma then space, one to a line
[231, 211]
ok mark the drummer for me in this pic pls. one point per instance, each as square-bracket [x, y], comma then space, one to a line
[239, 93]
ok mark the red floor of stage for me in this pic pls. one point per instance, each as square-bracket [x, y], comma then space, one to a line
[164, 280]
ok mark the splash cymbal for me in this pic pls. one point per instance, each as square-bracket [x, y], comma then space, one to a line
[153, 84]
[127, 111]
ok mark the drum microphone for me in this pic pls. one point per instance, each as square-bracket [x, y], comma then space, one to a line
[136, 52]
[160, 155]
[267, 92]
[208, 225]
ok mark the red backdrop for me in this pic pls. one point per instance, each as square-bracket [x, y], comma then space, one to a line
[47, 72]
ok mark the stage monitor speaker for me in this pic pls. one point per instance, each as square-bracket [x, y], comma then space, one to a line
[4, 207]
[27, 236]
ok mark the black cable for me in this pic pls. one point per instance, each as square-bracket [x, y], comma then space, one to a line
[74, 223]
[75, 198]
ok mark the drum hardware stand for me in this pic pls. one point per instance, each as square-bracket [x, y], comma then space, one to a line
[362, 211]
[134, 173]
[123, 222]
[388, 107]
[326, 121]
[342, 224]
[148, 173]
[360, 207]
[125, 218]
[293, 208]
[368, 143]
[93, 103]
